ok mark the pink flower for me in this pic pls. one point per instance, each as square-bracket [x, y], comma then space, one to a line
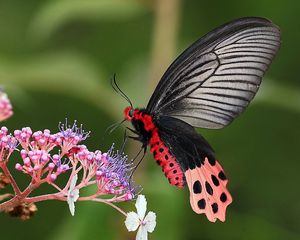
[113, 174]
[5, 106]
[45, 156]
[8, 144]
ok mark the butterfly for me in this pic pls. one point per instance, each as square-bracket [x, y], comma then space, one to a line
[207, 86]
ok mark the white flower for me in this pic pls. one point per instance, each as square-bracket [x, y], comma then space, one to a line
[73, 194]
[135, 220]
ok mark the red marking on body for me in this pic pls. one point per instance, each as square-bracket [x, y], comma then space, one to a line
[166, 160]
[146, 119]
[127, 113]
[160, 151]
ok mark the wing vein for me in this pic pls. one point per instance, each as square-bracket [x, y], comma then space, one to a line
[214, 79]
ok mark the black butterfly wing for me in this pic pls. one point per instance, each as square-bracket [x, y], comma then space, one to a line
[214, 80]
[203, 174]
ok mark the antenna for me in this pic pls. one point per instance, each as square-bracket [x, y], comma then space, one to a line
[118, 90]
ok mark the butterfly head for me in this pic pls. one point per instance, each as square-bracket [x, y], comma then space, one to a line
[128, 113]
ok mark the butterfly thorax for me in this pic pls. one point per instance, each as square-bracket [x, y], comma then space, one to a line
[145, 127]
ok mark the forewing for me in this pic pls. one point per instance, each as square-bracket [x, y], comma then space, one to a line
[214, 80]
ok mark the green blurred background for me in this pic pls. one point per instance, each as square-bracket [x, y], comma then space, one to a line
[56, 61]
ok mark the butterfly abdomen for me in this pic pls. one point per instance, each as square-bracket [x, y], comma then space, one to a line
[145, 125]
[166, 160]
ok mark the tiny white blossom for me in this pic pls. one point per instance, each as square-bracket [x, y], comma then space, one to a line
[138, 220]
[73, 194]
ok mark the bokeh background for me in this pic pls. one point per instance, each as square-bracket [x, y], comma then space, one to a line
[56, 61]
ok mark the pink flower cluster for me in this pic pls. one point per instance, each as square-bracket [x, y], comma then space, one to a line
[5, 107]
[8, 144]
[37, 148]
[45, 156]
[111, 174]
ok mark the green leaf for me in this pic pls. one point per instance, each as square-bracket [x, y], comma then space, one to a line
[65, 73]
[279, 95]
[55, 14]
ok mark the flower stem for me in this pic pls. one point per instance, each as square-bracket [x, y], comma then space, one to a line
[117, 208]
[53, 196]
[106, 201]
[20, 197]
[6, 195]
[10, 203]
[12, 180]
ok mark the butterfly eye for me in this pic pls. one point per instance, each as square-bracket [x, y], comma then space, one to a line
[130, 113]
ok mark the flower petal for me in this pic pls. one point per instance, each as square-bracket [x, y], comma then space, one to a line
[71, 206]
[142, 233]
[75, 194]
[132, 221]
[73, 182]
[150, 221]
[141, 206]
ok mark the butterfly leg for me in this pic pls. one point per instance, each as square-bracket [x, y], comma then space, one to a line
[144, 153]
[137, 138]
[132, 130]
[125, 138]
